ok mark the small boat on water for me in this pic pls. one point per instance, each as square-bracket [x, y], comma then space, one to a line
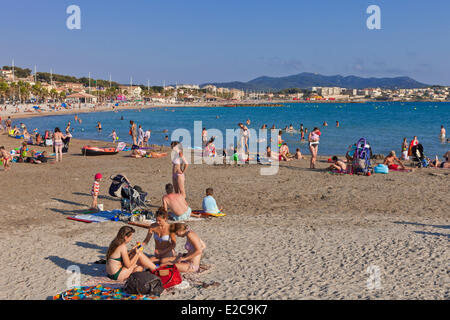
[97, 151]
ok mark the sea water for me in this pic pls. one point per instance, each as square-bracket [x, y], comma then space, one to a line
[383, 124]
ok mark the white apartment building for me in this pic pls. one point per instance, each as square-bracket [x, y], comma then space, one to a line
[329, 91]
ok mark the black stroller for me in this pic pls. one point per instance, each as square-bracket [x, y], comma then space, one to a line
[418, 157]
[132, 197]
[65, 148]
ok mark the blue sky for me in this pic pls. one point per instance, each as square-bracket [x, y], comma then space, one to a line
[202, 41]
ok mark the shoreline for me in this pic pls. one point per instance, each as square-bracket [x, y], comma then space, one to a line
[89, 108]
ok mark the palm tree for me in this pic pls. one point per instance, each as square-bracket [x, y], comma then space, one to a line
[62, 95]
[4, 88]
[24, 90]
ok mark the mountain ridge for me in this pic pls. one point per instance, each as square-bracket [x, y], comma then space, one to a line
[306, 80]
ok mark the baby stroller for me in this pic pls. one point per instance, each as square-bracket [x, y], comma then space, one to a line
[361, 157]
[132, 197]
[66, 142]
[417, 156]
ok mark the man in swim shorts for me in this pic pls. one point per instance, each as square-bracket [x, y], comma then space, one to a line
[176, 203]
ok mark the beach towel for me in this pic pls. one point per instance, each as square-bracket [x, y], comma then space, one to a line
[121, 146]
[101, 216]
[99, 293]
[399, 169]
[149, 222]
[203, 213]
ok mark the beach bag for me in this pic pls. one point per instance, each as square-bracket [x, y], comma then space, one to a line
[169, 275]
[424, 163]
[143, 283]
[381, 168]
[118, 182]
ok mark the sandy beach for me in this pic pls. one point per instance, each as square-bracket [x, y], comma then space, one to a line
[27, 110]
[300, 234]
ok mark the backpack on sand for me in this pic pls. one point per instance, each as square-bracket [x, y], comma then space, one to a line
[144, 283]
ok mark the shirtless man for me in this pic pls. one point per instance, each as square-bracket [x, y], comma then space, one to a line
[442, 133]
[179, 208]
[390, 161]
[337, 165]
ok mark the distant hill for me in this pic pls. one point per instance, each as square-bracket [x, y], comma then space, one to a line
[307, 80]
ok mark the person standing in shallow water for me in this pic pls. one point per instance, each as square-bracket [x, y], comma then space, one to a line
[133, 132]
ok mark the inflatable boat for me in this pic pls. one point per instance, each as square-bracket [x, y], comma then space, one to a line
[96, 151]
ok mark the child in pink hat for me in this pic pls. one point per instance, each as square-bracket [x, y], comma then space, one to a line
[95, 190]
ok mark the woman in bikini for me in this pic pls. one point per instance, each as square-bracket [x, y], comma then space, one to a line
[313, 138]
[189, 261]
[405, 149]
[165, 242]
[244, 137]
[121, 263]
[6, 157]
[58, 143]
[179, 167]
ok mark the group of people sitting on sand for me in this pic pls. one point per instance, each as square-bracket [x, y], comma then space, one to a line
[391, 161]
[121, 262]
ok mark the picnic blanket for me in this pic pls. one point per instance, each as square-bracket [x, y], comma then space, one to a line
[339, 172]
[99, 292]
[101, 216]
[400, 170]
[103, 288]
